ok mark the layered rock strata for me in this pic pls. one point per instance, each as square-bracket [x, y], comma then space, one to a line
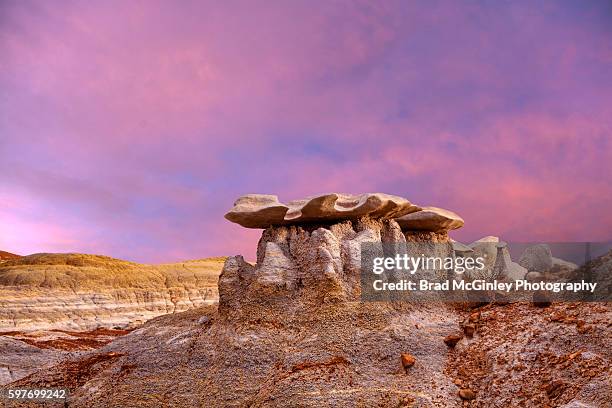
[84, 292]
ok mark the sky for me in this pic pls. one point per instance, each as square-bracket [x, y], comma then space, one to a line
[129, 128]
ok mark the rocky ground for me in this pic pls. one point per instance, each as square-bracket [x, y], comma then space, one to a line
[26, 352]
[520, 355]
[527, 356]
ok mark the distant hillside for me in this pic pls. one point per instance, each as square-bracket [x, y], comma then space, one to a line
[80, 291]
[8, 256]
[82, 271]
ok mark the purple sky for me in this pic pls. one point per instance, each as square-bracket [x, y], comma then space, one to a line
[129, 128]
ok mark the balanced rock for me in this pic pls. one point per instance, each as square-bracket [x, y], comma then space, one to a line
[263, 211]
[430, 219]
[257, 211]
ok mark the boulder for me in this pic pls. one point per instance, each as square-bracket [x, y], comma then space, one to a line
[452, 339]
[408, 360]
[467, 394]
[257, 211]
[537, 258]
[430, 219]
[559, 264]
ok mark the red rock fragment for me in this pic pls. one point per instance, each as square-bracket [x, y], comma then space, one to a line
[467, 394]
[408, 360]
[452, 339]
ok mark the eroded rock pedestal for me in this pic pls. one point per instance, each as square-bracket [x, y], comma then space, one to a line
[291, 331]
[305, 337]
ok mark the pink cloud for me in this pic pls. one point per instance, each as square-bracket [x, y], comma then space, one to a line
[132, 133]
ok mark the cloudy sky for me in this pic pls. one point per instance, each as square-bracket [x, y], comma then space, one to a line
[129, 128]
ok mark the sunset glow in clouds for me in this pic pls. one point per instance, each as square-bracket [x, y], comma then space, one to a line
[129, 128]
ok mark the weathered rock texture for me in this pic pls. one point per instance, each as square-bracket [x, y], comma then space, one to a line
[496, 256]
[525, 356]
[537, 258]
[291, 331]
[19, 359]
[263, 211]
[349, 354]
[430, 219]
[83, 292]
[24, 353]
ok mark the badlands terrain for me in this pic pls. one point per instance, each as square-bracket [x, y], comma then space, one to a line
[292, 329]
[76, 291]
[55, 305]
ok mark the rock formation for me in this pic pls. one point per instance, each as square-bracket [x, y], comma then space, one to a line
[496, 256]
[504, 266]
[537, 258]
[461, 249]
[430, 219]
[84, 292]
[291, 330]
[19, 359]
[263, 211]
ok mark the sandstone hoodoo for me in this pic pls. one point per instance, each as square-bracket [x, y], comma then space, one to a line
[307, 281]
[293, 325]
[310, 248]
[292, 330]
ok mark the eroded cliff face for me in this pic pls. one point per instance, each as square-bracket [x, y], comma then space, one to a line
[84, 292]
